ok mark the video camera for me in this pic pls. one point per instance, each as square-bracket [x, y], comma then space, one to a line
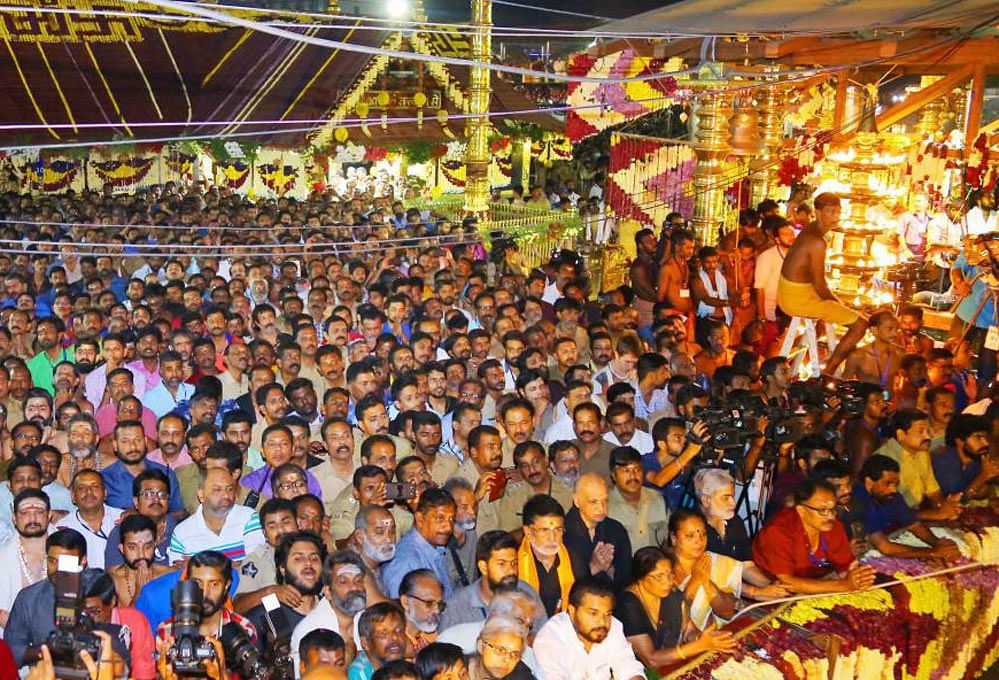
[74, 631]
[190, 648]
[818, 393]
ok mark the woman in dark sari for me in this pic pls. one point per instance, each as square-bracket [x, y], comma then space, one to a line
[655, 617]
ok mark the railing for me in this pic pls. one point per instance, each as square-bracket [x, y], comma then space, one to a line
[538, 231]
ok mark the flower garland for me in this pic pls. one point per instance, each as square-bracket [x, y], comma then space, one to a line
[234, 173]
[649, 178]
[182, 164]
[49, 177]
[278, 178]
[123, 173]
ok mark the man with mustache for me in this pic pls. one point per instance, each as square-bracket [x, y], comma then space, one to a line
[382, 631]
[862, 435]
[137, 549]
[425, 545]
[289, 362]
[171, 389]
[877, 505]
[150, 498]
[24, 555]
[427, 439]
[298, 559]
[49, 332]
[374, 539]
[910, 448]
[258, 573]
[345, 594]
[594, 450]
[336, 472]
[92, 517]
[532, 462]
[963, 465]
[119, 477]
[218, 523]
[272, 407]
[496, 561]
[212, 571]
[421, 597]
[585, 637]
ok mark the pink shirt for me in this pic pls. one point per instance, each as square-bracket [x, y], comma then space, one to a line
[107, 417]
[183, 458]
[149, 379]
[143, 645]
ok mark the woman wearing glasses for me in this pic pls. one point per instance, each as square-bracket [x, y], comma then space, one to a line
[711, 583]
[805, 547]
[500, 647]
[656, 617]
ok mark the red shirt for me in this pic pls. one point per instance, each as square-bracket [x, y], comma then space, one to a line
[782, 547]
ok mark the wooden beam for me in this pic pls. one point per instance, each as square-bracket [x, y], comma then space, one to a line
[842, 82]
[974, 121]
[918, 100]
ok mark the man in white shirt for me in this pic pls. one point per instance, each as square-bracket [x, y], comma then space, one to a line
[768, 266]
[586, 642]
[92, 517]
[623, 430]
[218, 523]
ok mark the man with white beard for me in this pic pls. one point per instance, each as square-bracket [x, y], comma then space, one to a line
[82, 433]
[345, 595]
[374, 539]
[422, 598]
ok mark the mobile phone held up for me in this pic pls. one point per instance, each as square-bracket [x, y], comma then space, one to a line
[399, 491]
[498, 486]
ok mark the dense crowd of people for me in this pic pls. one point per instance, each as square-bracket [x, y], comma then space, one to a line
[432, 462]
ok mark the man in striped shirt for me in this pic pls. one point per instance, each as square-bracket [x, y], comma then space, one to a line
[218, 523]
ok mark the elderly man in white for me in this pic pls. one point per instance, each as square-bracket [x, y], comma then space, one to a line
[586, 642]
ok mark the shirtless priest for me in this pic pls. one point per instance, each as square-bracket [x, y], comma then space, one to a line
[803, 291]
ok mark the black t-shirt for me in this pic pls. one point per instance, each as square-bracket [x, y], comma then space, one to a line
[635, 620]
[736, 544]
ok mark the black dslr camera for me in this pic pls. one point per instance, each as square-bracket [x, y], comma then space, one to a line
[74, 631]
[190, 648]
[242, 655]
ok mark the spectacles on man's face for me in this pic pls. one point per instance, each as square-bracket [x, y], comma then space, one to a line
[439, 605]
[824, 512]
[293, 485]
[509, 654]
[151, 494]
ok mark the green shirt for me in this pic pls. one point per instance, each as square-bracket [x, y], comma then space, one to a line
[42, 368]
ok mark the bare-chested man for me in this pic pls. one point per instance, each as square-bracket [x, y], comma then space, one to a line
[803, 290]
[138, 548]
[674, 276]
[879, 361]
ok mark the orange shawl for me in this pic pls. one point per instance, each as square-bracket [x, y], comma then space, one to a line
[529, 571]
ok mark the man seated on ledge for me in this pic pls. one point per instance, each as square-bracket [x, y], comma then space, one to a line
[802, 289]
[805, 547]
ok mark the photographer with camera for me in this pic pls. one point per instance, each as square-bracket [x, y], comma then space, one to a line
[100, 601]
[211, 571]
[974, 279]
[31, 623]
[667, 468]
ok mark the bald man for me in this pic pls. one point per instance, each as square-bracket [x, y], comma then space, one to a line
[594, 538]
[218, 523]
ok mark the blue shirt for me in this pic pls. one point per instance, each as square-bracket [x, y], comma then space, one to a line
[877, 515]
[161, 402]
[154, 598]
[952, 476]
[672, 492]
[360, 668]
[118, 481]
[979, 292]
[415, 552]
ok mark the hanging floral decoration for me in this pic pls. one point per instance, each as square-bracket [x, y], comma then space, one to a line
[649, 178]
[454, 171]
[980, 175]
[375, 154]
[597, 106]
[120, 173]
[234, 173]
[278, 178]
[552, 148]
[49, 177]
[182, 164]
